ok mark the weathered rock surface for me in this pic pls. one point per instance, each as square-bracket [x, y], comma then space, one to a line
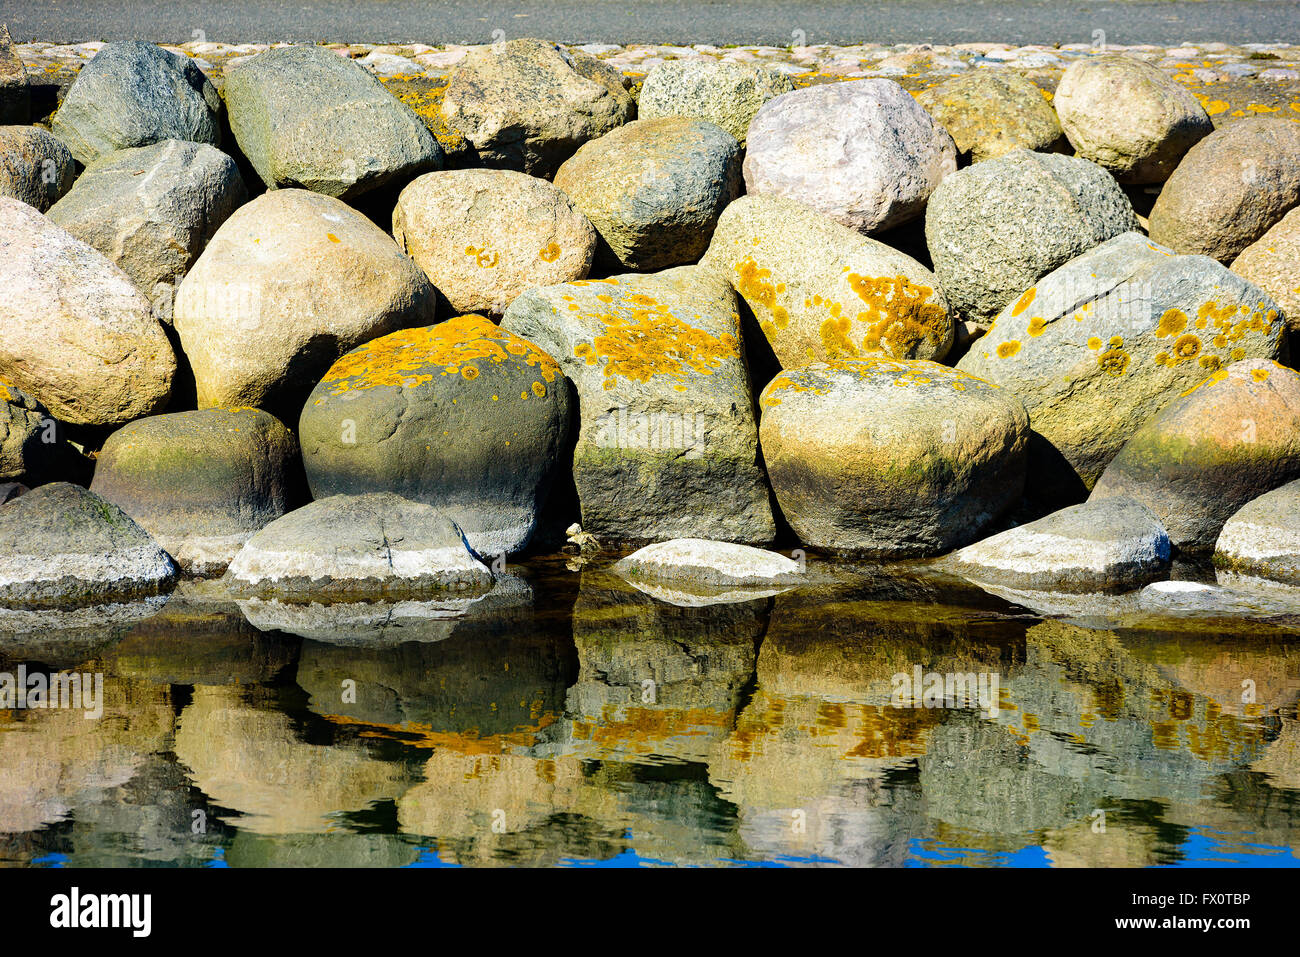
[994, 229]
[28, 437]
[62, 545]
[289, 283]
[891, 458]
[152, 209]
[862, 152]
[1262, 538]
[202, 482]
[133, 94]
[307, 117]
[821, 291]
[1114, 544]
[15, 95]
[1272, 262]
[484, 236]
[1230, 189]
[349, 547]
[654, 189]
[666, 446]
[728, 94]
[1129, 116]
[463, 415]
[1222, 443]
[35, 167]
[1103, 343]
[75, 332]
[527, 104]
[990, 113]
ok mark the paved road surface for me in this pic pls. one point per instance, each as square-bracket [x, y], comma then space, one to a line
[777, 22]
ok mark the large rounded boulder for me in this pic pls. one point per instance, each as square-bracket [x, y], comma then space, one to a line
[35, 168]
[357, 547]
[307, 117]
[889, 458]
[288, 284]
[527, 104]
[1103, 343]
[1230, 189]
[1272, 262]
[483, 236]
[991, 112]
[152, 209]
[1262, 538]
[76, 332]
[201, 482]
[821, 291]
[1129, 116]
[133, 94]
[464, 415]
[995, 228]
[862, 152]
[654, 189]
[62, 545]
[1225, 441]
[728, 94]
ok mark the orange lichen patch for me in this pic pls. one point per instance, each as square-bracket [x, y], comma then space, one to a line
[1025, 299]
[899, 315]
[1186, 348]
[550, 253]
[332, 238]
[1218, 376]
[754, 285]
[1238, 354]
[1208, 362]
[1114, 361]
[413, 356]
[649, 341]
[1036, 326]
[482, 256]
[1008, 349]
[1259, 375]
[1172, 323]
[1094, 343]
[539, 390]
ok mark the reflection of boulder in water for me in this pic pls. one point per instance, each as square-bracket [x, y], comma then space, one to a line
[1121, 842]
[390, 623]
[656, 679]
[491, 678]
[249, 758]
[1280, 762]
[56, 760]
[200, 642]
[335, 849]
[64, 638]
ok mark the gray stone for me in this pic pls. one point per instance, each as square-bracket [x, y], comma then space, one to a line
[63, 545]
[666, 446]
[1129, 116]
[35, 168]
[28, 438]
[527, 104]
[15, 95]
[464, 415]
[1272, 262]
[862, 152]
[1230, 189]
[890, 458]
[1222, 443]
[1110, 545]
[307, 117]
[152, 209]
[77, 333]
[704, 562]
[654, 189]
[728, 94]
[133, 94]
[994, 229]
[1262, 538]
[483, 236]
[201, 482]
[357, 547]
[1103, 343]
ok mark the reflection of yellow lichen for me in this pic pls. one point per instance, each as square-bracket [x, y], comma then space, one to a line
[414, 356]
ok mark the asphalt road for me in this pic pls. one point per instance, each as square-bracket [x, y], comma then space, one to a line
[776, 22]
